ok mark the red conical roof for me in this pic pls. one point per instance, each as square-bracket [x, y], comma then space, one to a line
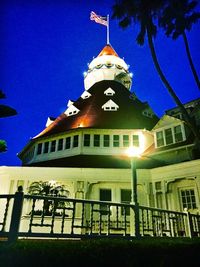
[108, 50]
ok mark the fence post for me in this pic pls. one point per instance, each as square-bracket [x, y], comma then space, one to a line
[16, 215]
[137, 221]
[189, 223]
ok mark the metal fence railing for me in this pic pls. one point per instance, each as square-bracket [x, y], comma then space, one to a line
[58, 217]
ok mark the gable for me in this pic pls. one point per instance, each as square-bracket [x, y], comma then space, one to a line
[72, 110]
[109, 92]
[85, 95]
[166, 121]
[110, 106]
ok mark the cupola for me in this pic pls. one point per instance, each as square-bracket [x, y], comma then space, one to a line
[108, 66]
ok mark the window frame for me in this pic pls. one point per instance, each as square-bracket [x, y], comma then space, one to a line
[116, 142]
[106, 143]
[75, 140]
[60, 144]
[103, 207]
[127, 209]
[68, 144]
[96, 142]
[86, 140]
[126, 143]
[136, 142]
[39, 148]
[173, 135]
[53, 146]
[46, 147]
[188, 198]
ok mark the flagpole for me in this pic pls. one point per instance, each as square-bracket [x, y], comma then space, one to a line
[108, 30]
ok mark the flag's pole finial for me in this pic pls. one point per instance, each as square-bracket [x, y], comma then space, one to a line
[108, 30]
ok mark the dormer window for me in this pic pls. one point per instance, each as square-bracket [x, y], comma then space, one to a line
[85, 95]
[49, 121]
[109, 92]
[110, 106]
[70, 103]
[72, 110]
[147, 113]
[170, 136]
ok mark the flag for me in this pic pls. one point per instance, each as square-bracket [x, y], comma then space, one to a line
[98, 19]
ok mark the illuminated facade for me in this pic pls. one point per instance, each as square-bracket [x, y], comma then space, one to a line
[86, 146]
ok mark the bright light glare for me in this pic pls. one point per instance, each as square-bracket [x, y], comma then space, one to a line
[134, 151]
[52, 182]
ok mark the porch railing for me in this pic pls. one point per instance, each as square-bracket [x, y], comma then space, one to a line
[57, 217]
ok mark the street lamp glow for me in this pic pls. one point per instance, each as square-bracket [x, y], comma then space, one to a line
[133, 151]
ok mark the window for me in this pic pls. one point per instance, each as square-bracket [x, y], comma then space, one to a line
[105, 195]
[136, 140]
[168, 136]
[125, 198]
[96, 140]
[125, 140]
[75, 141]
[178, 133]
[148, 114]
[188, 199]
[116, 140]
[46, 147]
[53, 146]
[159, 139]
[39, 149]
[68, 143]
[86, 140]
[110, 105]
[60, 144]
[158, 185]
[109, 92]
[106, 140]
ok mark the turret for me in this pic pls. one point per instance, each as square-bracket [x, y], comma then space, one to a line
[108, 66]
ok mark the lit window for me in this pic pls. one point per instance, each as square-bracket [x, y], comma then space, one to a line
[160, 139]
[53, 146]
[60, 144]
[75, 141]
[188, 199]
[178, 133]
[68, 143]
[39, 149]
[106, 140]
[126, 140]
[105, 195]
[116, 140]
[96, 140]
[86, 140]
[125, 198]
[136, 140]
[46, 147]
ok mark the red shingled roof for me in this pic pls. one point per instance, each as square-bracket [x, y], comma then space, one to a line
[91, 115]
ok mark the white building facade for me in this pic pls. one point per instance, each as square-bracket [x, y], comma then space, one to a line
[85, 148]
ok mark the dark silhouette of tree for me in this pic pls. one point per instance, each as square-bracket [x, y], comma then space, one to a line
[51, 189]
[177, 18]
[5, 111]
[147, 13]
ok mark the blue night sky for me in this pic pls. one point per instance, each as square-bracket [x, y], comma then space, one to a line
[44, 50]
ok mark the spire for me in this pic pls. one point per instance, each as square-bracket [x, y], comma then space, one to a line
[108, 50]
